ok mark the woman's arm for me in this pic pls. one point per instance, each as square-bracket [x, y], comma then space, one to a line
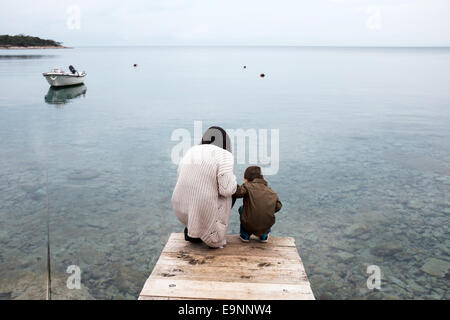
[225, 176]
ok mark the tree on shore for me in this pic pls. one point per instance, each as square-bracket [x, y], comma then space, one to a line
[21, 40]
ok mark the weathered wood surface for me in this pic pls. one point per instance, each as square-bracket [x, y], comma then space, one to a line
[253, 271]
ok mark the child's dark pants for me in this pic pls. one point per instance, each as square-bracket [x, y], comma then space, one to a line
[244, 233]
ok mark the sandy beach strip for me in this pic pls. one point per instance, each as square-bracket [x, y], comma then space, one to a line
[32, 47]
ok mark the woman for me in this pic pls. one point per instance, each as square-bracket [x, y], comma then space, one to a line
[202, 196]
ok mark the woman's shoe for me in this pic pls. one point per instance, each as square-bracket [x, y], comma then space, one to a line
[187, 238]
[264, 238]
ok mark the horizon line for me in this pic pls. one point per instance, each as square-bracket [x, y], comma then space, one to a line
[257, 45]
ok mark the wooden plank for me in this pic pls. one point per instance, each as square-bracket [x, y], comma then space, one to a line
[166, 298]
[225, 290]
[249, 261]
[244, 249]
[231, 273]
[234, 239]
[252, 270]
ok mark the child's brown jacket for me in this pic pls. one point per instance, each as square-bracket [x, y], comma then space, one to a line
[260, 205]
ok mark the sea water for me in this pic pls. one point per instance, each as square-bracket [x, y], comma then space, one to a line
[364, 162]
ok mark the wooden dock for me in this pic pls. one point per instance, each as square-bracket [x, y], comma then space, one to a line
[240, 271]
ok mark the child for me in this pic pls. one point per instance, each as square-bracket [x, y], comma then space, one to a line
[260, 204]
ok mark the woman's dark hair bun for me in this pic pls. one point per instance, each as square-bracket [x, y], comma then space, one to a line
[222, 141]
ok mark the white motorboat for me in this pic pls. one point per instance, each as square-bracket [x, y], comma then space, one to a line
[59, 78]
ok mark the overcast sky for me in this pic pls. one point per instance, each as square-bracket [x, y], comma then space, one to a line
[231, 22]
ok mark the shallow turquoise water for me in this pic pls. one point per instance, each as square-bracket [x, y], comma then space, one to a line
[364, 161]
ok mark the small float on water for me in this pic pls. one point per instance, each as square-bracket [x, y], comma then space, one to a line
[59, 78]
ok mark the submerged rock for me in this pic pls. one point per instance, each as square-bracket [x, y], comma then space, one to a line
[355, 230]
[88, 174]
[413, 205]
[344, 256]
[317, 280]
[436, 267]
[32, 286]
[38, 195]
[30, 188]
[416, 288]
[386, 250]
[445, 247]
[337, 245]
[324, 271]
[397, 281]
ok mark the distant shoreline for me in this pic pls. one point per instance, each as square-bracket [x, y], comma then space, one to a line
[32, 47]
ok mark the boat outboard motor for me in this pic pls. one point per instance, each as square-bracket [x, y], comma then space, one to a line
[72, 69]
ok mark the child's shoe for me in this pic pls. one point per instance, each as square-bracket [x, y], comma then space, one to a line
[244, 238]
[264, 238]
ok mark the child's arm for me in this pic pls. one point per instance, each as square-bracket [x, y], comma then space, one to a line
[241, 191]
[278, 205]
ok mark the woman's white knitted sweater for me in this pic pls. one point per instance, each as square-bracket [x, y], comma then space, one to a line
[202, 196]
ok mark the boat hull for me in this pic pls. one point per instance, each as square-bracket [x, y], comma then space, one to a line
[63, 80]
